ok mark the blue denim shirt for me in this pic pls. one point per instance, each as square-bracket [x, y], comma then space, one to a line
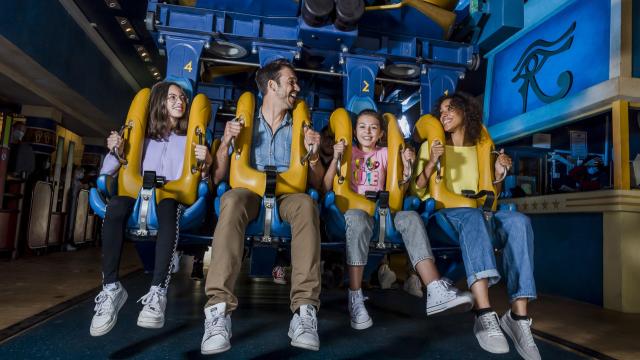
[271, 148]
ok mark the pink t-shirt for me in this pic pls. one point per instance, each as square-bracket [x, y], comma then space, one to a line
[369, 170]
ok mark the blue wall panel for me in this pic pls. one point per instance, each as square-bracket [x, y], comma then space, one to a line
[586, 58]
[568, 255]
[50, 36]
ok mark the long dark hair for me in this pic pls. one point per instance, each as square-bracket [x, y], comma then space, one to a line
[159, 126]
[471, 115]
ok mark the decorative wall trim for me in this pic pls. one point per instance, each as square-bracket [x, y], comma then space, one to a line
[591, 201]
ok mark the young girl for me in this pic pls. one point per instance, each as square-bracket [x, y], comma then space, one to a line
[369, 170]
[462, 121]
[163, 153]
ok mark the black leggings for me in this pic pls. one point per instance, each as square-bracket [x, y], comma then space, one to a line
[115, 221]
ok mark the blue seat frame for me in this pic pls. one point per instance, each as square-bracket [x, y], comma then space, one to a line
[190, 219]
[263, 253]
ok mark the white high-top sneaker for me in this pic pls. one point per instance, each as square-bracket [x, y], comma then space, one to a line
[443, 296]
[152, 314]
[108, 303]
[217, 330]
[360, 318]
[303, 329]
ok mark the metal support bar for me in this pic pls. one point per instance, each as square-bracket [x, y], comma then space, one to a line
[145, 197]
[309, 71]
[269, 203]
[382, 228]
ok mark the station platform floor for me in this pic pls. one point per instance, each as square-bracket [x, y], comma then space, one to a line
[46, 304]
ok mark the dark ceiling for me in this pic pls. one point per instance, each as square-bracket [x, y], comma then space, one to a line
[99, 13]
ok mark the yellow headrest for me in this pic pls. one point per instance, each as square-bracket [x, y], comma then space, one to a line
[242, 175]
[340, 124]
[439, 11]
[428, 128]
[184, 190]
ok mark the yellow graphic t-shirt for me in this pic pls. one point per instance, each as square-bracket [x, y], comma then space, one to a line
[461, 172]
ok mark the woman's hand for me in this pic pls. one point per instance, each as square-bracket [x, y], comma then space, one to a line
[503, 164]
[408, 156]
[338, 149]
[115, 143]
[436, 151]
[202, 154]
[408, 159]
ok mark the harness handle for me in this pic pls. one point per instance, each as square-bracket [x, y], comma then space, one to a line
[338, 163]
[113, 152]
[306, 156]
[408, 178]
[504, 173]
[199, 163]
[239, 119]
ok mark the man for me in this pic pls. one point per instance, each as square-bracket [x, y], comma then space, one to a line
[272, 133]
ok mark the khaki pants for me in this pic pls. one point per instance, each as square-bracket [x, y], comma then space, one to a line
[237, 208]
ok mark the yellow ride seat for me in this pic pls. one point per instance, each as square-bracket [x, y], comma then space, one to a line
[340, 124]
[429, 129]
[243, 175]
[185, 189]
[440, 12]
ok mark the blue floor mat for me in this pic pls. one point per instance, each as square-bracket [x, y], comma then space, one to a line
[400, 330]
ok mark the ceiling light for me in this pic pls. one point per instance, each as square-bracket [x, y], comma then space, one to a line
[113, 4]
[125, 25]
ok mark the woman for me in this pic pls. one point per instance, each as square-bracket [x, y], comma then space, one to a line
[369, 171]
[462, 121]
[163, 153]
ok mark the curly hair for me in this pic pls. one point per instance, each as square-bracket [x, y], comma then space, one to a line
[159, 126]
[471, 115]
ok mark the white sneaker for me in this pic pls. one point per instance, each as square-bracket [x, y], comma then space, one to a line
[413, 286]
[386, 276]
[217, 330]
[152, 314]
[360, 318]
[443, 296]
[303, 329]
[489, 335]
[520, 333]
[108, 303]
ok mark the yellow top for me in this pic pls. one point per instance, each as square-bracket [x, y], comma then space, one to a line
[462, 172]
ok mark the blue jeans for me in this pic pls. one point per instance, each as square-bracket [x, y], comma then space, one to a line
[511, 228]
